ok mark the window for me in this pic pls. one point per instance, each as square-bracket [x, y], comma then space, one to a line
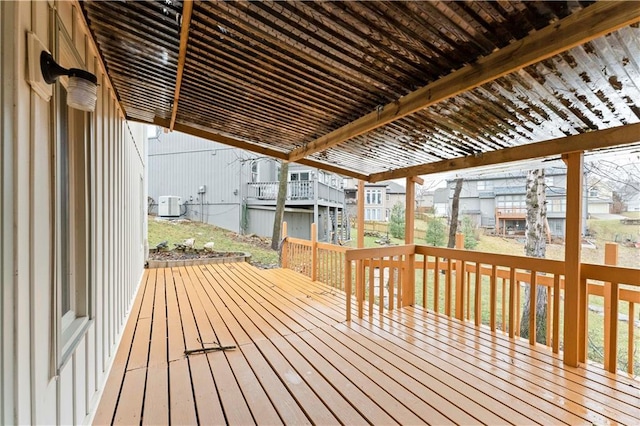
[485, 185]
[557, 206]
[511, 203]
[254, 171]
[71, 221]
[372, 214]
[373, 196]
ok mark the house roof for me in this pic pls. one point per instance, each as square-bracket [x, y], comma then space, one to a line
[379, 90]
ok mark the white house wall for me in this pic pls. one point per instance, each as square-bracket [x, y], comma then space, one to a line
[35, 388]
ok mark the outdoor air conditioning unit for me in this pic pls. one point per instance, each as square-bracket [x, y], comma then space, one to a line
[169, 206]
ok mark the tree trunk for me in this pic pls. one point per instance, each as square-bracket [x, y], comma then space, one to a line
[455, 207]
[535, 246]
[280, 202]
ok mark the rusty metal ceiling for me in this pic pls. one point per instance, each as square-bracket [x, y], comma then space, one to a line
[281, 75]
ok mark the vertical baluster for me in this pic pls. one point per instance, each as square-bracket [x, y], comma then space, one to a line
[548, 336]
[436, 284]
[381, 286]
[512, 302]
[504, 306]
[424, 281]
[477, 314]
[556, 314]
[631, 341]
[533, 290]
[360, 287]
[347, 284]
[447, 289]
[467, 290]
[492, 298]
[372, 283]
[392, 276]
[518, 314]
[400, 264]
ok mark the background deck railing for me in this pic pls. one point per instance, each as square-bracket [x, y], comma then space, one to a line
[319, 261]
[485, 289]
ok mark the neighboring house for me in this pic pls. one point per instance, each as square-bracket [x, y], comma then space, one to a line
[237, 190]
[498, 201]
[379, 199]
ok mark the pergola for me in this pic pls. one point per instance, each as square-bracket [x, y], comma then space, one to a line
[384, 90]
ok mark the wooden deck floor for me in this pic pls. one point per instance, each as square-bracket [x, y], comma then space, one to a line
[298, 362]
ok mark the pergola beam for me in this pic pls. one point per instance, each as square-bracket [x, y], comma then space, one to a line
[607, 138]
[249, 146]
[187, 9]
[578, 28]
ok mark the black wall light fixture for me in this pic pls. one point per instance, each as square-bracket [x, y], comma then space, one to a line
[82, 87]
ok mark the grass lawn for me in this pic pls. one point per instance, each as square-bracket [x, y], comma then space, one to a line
[177, 231]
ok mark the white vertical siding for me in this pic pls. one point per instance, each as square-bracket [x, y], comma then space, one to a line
[35, 387]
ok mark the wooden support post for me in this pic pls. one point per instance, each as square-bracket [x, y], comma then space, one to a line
[284, 252]
[611, 313]
[460, 296]
[360, 216]
[409, 282]
[572, 253]
[314, 252]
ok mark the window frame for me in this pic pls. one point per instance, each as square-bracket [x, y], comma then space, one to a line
[71, 133]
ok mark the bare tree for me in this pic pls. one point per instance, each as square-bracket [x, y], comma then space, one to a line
[282, 197]
[535, 246]
[455, 208]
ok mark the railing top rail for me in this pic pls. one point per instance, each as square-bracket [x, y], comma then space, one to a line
[376, 252]
[299, 241]
[332, 247]
[520, 262]
[610, 273]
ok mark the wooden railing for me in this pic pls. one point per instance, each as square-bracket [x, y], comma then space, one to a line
[381, 274]
[482, 288]
[319, 261]
[488, 290]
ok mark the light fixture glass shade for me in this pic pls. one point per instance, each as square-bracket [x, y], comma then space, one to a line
[81, 94]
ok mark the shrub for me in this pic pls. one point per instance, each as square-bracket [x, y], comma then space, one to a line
[469, 231]
[396, 221]
[436, 232]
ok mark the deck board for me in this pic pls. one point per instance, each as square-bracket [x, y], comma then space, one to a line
[297, 361]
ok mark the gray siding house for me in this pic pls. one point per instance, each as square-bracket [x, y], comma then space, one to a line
[498, 201]
[237, 190]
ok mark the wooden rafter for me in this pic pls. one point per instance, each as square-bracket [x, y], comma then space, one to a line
[187, 9]
[598, 139]
[258, 149]
[580, 27]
